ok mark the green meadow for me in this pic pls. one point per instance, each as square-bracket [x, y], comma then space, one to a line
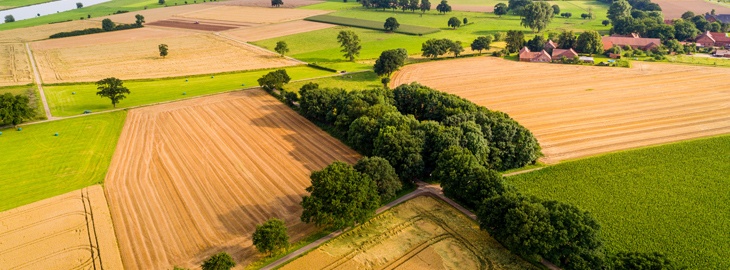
[37, 165]
[63, 101]
[98, 10]
[672, 198]
[360, 80]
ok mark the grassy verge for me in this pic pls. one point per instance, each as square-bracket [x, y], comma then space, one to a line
[671, 198]
[31, 91]
[10, 4]
[38, 165]
[98, 10]
[264, 261]
[64, 103]
[375, 25]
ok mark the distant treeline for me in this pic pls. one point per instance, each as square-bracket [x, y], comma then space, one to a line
[89, 31]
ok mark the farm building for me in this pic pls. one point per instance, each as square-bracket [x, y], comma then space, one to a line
[721, 18]
[713, 39]
[560, 53]
[722, 53]
[587, 59]
[527, 56]
[633, 40]
[550, 46]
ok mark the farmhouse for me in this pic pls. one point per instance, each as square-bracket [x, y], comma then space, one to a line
[527, 56]
[550, 46]
[721, 18]
[634, 41]
[713, 39]
[567, 53]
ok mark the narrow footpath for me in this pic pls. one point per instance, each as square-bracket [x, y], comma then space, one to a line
[37, 80]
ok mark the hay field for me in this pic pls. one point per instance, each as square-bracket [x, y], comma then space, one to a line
[421, 233]
[577, 111]
[255, 15]
[133, 54]
[69, 231]
[14, 65]
[268, 31]
[40, 32]
[673, 9]
[193, 178]
[266, 3]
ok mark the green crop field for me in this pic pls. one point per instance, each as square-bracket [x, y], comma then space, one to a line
[98, 10]
[368, 24]
[36, 165]
[63, 102]
[671, 198]
[32, 92]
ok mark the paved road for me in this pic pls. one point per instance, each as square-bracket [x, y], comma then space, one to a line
[38, 82]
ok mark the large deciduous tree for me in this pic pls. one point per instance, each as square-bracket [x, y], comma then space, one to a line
[340, 196]
[390, 61]
[589, 42]
[113, 89]
[435, 47]
[350, 44]
[384, 175]
[537, 16]
[107, 25]
[515, 40]
[481, 43]
[220, 261]
[277, 3]
[274, 80]
[443, 7]
[15, 109]
[271, 236]
[454, 22]
[537, 43]
[684, 30]
[163, 50]
[500, 9]
[517, 6]
[391, 24]
[281, 47]
[455, 47]
[139, 19]
[567, 40]
[9, 18]
[619, 9]
[425, 6]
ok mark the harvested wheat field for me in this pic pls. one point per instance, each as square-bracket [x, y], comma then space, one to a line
[14, 65]
[40, 32]
[133, 54]
[577, 111]
[152, 15]
[421, 233]
[193, 178]
[69, 231]
[254, 15]
[673, 9]
[268, 31]
[266, 3]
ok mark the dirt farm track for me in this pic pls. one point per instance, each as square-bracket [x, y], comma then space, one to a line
[69, 231]
[576, 111]
[193, 178]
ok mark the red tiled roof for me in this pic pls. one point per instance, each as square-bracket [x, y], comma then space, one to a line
[559, 53]
[608, 42]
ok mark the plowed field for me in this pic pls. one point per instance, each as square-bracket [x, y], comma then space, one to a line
[422, 233]
[69, 231]
[14, 65]
[133, 54]
[193, 178]
[577, 111]
[673, 9]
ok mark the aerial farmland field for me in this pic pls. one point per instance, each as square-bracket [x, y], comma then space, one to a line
[673, 9]
[14, 65]
[193, 178]
[421, 233]
[578, 111]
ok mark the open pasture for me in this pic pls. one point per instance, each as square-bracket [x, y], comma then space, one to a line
[673, 9]
[256, 33]
[14, 65]
[255, 15]
[133, 54]
[193, 178]
[670, 198]
[577, 111]
[37, 165]
[266, 3]
[421, 233]
[69, 231]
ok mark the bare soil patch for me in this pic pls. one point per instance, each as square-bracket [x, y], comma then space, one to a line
[193, 178]
[14, 65]
[266, 3]
[69, 231]
[257, 33]
[421, 233]
[578, 111]
[254, 15]
[133, 54]
[192, 25]
[673, 9]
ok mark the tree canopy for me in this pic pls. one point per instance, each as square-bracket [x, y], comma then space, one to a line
[589, 42]
[454, 22]
[339, 197]
[271, 236]
[435, 47]
[537, 43]
[537, 16]
[113, 89]
[391, 24]
[163, 50]
[619, 9]
[390, 61]
[281, 47]
[482, 43]
[500, 9]
[220, 261]
[515, 40]
[350, 44]
[443, 7]
[384, 175]
[274, 80]
[425, 6]
[138, 20]
[107, 25]
[277, 3]
[15, 109]
[567, 40]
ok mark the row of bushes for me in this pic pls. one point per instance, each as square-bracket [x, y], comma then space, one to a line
[89, 31]
[317, 66]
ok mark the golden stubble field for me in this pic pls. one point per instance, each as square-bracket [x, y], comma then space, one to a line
[577, 111]
[193, 178]
[69, 231]
[14, 65]
[673, 9]
[421, 233]
[133, 54]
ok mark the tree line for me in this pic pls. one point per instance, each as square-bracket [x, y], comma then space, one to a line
[107, 25]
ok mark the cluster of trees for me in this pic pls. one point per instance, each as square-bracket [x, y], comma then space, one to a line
[643, 5]
[107, 25]
[403, 5]
[390, 61]
[436, 47]
[15, 109]
[274, 80]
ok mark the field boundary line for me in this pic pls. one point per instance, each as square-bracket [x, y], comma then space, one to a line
[223, 35]
[38, 82]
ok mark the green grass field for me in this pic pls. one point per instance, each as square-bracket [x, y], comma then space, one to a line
[63, 103]
[36, 165]
[672, 198]
[360, 80]
[8, 4]
[97, 10]
[368, 24]
[32, 92]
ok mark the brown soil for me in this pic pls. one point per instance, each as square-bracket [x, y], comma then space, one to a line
[256, 33]
[192, 25]
[69, 231]
[193, 178]
[266, 3]
[421, 233]
[673, 9]
[133, 54]
[577, 111]
[14, 65]
[253, 15]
